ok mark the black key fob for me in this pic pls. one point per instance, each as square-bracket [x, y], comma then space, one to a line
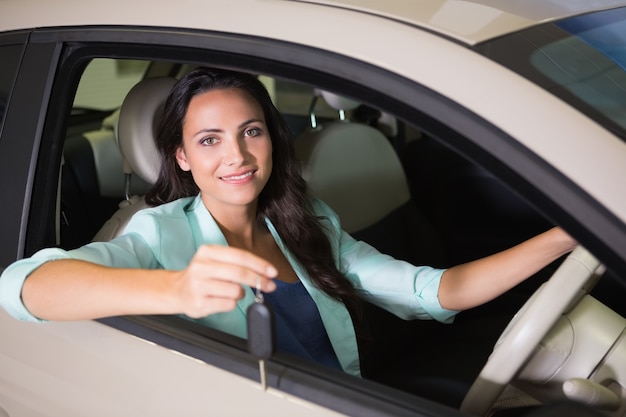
[261, 332]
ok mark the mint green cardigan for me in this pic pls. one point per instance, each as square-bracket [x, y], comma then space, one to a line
[168, 236]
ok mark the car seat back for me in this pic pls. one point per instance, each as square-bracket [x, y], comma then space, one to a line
[136, 128]
[354, 168]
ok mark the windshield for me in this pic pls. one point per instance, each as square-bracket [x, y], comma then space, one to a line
[582, 60]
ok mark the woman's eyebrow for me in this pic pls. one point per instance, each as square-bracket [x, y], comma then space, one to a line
[217, 130]
[247, 122]
[208, 130]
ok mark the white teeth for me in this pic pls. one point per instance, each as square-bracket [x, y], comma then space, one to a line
[238, 177]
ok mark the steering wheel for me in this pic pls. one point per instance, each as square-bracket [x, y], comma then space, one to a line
[572, 280]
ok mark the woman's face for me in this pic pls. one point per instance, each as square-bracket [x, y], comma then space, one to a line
[227, 148]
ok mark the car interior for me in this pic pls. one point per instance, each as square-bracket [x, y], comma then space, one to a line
[393, 185]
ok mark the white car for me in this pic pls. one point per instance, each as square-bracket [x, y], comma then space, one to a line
[439, 131]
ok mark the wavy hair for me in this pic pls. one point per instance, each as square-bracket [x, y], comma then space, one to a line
[284, 200]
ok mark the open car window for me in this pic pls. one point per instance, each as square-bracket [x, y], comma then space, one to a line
[414, 223]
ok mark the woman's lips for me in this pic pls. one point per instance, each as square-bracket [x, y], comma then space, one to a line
[239, 177]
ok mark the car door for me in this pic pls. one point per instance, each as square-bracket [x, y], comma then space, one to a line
[132, 365]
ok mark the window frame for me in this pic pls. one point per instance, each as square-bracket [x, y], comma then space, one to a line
[24, 119]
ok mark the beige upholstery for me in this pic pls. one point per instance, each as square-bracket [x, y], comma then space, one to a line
[108, 159]
[135, 133]
[137, 126]
[353, 168]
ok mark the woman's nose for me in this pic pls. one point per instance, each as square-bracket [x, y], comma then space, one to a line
[235, 152]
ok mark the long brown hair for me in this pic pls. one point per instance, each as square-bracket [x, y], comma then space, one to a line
[284, 200]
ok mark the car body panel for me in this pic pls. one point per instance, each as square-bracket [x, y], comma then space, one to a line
[467, 21]
[91, 367]
[471, 21]
[24, 120]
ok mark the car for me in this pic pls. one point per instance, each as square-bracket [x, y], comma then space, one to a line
[439, 132]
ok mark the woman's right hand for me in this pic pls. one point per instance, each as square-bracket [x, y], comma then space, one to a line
[214, 280]
[70, 289]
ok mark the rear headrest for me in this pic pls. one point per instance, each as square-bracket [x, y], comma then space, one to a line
[138, 120]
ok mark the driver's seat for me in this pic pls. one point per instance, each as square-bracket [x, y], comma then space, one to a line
[136, 128]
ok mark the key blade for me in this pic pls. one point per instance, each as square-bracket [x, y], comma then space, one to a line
[263, 374]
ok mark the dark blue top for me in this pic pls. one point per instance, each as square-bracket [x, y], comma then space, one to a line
[299, 327]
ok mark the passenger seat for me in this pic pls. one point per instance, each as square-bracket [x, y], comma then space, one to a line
[354, 168]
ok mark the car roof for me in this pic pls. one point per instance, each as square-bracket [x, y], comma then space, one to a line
[473, 21]
[467, 21]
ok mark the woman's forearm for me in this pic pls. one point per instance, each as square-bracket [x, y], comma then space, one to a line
[474, 283]
[213, 282]
[69, 289]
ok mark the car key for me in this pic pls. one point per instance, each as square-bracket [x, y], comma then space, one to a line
[261, 334]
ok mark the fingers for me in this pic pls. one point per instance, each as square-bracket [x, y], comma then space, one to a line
[235, 265]
[212, 306]
[214, 279]
[213, 296]
[216, 288]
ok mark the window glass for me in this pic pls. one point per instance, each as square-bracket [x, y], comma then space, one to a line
[595, 75]
[581, 60]
[105, 82]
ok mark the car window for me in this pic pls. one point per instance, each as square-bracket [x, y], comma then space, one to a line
[425, 211]
[593, 78]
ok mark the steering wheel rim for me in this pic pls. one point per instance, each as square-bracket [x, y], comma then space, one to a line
[529, 326]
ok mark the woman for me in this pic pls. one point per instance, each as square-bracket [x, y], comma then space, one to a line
[232, 212]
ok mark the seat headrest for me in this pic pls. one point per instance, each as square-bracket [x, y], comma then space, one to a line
[355, 170]
[138, 120]
[337, 102]
[386, 123]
